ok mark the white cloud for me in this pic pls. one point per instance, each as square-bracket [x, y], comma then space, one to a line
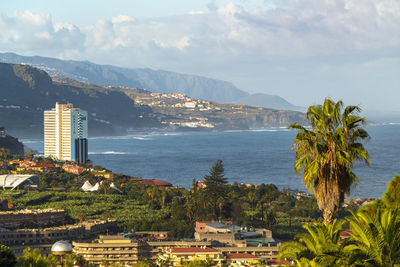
[303, 28]
[34, 33]
[229, 42]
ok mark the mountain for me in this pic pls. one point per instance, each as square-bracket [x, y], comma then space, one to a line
[268, 101]
[11, 143]
[154, 80]
[27, 91]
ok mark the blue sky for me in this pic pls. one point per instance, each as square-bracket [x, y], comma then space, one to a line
[302, 50]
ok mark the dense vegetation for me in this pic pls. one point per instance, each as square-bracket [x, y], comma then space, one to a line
[374, 237]
[142, 207]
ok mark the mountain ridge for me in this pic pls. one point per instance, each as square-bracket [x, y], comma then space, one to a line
[156, 80]
[268, 101]
[113, 110]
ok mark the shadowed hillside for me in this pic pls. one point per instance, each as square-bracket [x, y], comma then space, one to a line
[26, 92]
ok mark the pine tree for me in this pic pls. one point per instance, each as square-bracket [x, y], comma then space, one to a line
[215, 185]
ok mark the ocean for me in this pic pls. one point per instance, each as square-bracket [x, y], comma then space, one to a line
[253, 156]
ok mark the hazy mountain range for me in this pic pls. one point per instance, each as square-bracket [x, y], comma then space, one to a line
[27, 91]
[153, 80]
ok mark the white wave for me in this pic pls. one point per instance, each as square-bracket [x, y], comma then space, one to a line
[109, 153]
[141, 138]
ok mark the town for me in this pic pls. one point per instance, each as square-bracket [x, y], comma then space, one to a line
[101, 241]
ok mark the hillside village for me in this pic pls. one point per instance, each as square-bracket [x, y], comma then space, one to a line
[180, 111]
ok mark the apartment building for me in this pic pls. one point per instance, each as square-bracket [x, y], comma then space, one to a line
[114, 249]
[21, 218]
[122, 249]
[66, 133]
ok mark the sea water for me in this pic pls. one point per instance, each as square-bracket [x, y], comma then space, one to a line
[253, 156]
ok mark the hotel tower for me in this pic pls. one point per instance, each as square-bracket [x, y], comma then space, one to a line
[65, 133]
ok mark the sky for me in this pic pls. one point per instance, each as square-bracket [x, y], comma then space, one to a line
[301, 50]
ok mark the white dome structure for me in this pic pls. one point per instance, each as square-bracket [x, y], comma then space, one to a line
[61, 248]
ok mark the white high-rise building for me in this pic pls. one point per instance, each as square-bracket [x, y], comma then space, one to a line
[65, 133]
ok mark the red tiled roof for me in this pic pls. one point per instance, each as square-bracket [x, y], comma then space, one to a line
[193, 250]
[45, 165]
[233, 256]
[149, 182]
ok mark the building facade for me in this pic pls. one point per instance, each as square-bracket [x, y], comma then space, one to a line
[66, 133]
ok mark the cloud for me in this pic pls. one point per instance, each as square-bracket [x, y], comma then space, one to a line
[284, 39]
[34, 33]
[299, 29]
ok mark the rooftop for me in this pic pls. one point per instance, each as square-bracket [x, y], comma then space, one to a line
[149, 182]
[28, 211]
[193, 250]
[237, 256]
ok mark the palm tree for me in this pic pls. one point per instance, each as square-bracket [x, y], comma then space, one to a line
[392, 196]
[375, 238]
[326, 153]
[320, 246]
[105, 184]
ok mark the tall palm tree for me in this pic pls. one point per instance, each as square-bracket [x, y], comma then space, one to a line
[320, 246]
[326, 152]
[375, 238]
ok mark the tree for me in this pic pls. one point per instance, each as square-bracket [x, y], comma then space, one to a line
[220, 203]
[105, 185]
[75, 259]
[392, 196]
[7, 257]
[30, 155]
[33, 258]
[5, 153]
[81, 217]
[215, 185]
[320, 246]
[375, 238]
[326, 153]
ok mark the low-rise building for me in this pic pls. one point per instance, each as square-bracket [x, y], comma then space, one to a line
[242, 259]
[269, 252]
[179, 256]
[150, 235]
[114, 249]
[152, 249]
[36, 236]
[228, 234]
[78, 170]
[23, 218]
[123, 249]
[150, 182]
